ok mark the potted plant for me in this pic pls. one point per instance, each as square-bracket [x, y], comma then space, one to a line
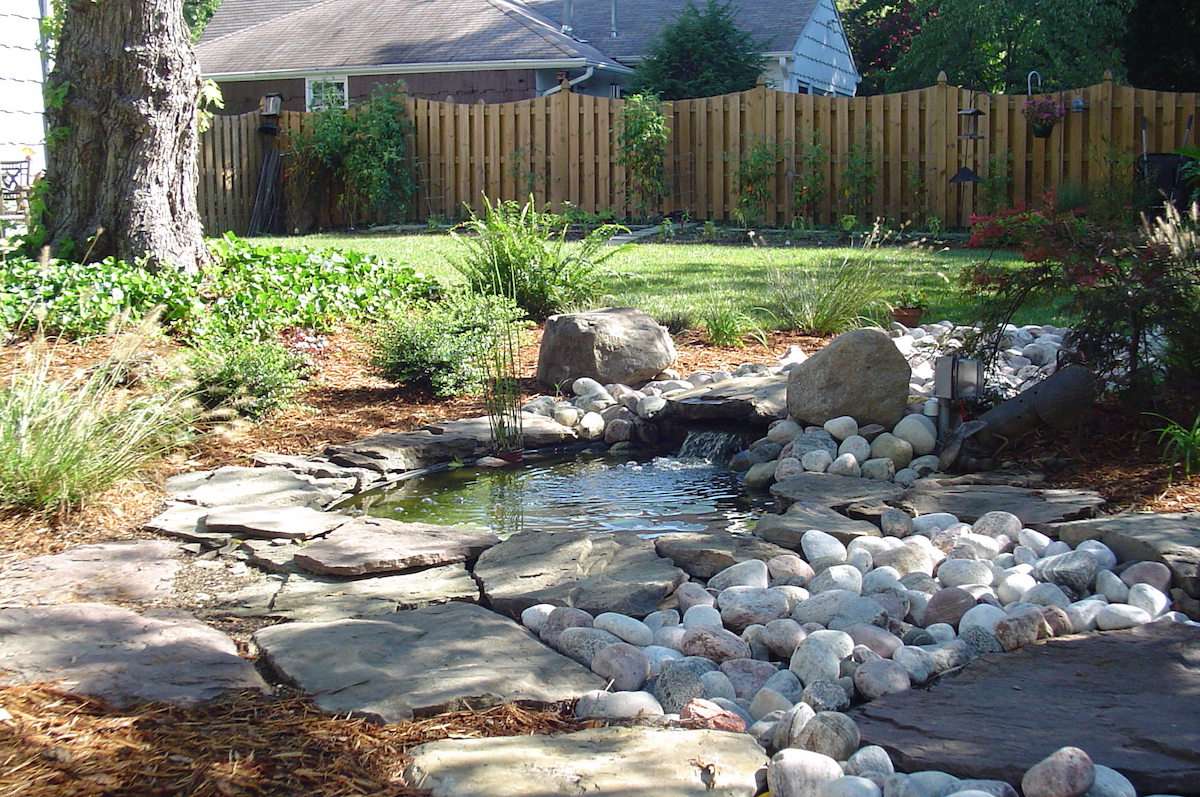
[908, 306]
[1043, 113]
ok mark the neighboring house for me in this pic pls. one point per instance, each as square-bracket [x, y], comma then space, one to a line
[316, 51]
[22, 129]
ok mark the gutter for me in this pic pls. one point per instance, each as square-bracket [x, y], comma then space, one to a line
[587, 75]
[408, 69]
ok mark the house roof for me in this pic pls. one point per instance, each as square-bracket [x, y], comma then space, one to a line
[775, 25]
[256, 37]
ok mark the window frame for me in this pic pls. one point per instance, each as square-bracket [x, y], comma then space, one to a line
[311, 80]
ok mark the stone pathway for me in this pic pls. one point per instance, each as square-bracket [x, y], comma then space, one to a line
[630, 762]
[1036, 508]
[420, 662]
[141, 571]
[1131, 699]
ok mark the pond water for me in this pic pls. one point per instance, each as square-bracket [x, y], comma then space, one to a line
[595, 493]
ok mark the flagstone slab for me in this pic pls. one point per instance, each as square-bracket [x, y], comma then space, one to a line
[269, 486]
[272, 522]
[755, 399]
[1036, 508]
[704, 554]
[539, 431]
[315, 599]
[630, 762]
[389, 452]
[420, 662]
[787, 529]
[1170, 538]
[594, 572]
[128, 571]
[1129, 698]
[378, 545]
[185, 521]
[833, 492]
[120, 656]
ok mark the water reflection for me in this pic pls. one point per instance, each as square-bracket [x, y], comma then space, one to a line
[647, 497]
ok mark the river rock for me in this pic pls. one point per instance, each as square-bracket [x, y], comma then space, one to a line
[1168, 539]
[919, 432]
[825, 696]
[1148, 599]
[679, 682]
[800, 773]
[560, 619]
[874, 679]
[1075, 570]
[859, 374]
[1119, 616]
[842, 427]
[751, 573]
[869, 760]
[690, 594]
[1067, 772]
[819, 656]
[743, 606]
[821, 547]
[843, 577]
[788, 529]
[850, 786]
[714, 643]
[602, 705]
[963, 572]
[617, 344]
[888, 446]
[582, 643]
[1155, 574]
[624, 665]
[1110, 783]
[830, 733]
[625, 628]
[947, 606]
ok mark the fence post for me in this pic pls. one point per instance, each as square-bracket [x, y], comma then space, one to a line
[939, 126]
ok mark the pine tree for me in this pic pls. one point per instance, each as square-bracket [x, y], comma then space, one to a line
[701, 54]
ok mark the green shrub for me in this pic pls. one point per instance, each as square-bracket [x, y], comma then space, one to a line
[64, 440]
[808, 188]
[728, 325]
[249, 289]
[515, 251]
[755, 179]
[1181, 445]
[436, 345]
[255, 378]
[643, 149]
[829, 299]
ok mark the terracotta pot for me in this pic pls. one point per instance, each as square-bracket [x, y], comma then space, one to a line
[909, 316]
[1042, 129]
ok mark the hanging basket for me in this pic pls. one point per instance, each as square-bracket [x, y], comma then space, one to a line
[1042, 129]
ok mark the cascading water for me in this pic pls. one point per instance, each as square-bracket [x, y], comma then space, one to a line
[711, 446]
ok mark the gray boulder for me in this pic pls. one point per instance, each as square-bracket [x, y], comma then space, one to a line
[860, 374]
[615, 345]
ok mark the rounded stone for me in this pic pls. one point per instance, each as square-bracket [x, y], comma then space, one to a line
[747, 676]
[1110, 585]
[1118, 616]
[560, 619]
[844, 577]
[624, 665]
[787, 468]
[849, 786]
[785, 683]
[1149, 599]
[679, 682]
[961, 572]
[879, 640]
[1110, 783]
[919, 432]
[1102, 553]
[535, 616]
[874, 679]
[841, 428]
[1067, 772]
[791, 724]
[882, 579]
[783, 636]
[658, 657]
[701, 616]
[661, 619]
[819, 656]
[582, 643]
[947, 606]
[983, 616]
[825, 696]
[783, 431]
[830, 733]
[1156, 574]
[916, 661]
[1046, 595]
[751, 573]
[791, 568]
[717, 685]
[744, 606]
[800, 773]
[845, 465]
[889, 446]
[716, 644]
[635, 632]
[998, 524]
[817, 461]
[907, 559]
[895, 523]
[599, 704]
[821, 547]
[1012, 586]
[670, 636]
[855, 446]
[767, 701]
[880, 469]
[690, 594]
[870, 760]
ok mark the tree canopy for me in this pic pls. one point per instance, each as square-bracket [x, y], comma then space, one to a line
[702, 54]
[992, 46]
[1162, 45]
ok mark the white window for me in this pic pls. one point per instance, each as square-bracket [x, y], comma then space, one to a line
[326, 92]
[614, 90]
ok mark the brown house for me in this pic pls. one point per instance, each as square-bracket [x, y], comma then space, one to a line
[319, 51]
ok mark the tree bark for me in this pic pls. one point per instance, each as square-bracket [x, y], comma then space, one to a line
[122, 148]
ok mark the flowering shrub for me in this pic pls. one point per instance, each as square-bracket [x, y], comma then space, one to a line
[1005, 228]
[1044, 111]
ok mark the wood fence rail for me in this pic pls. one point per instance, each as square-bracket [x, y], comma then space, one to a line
[564, 148]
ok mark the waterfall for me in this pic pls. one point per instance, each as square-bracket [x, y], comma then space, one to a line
[716, 447]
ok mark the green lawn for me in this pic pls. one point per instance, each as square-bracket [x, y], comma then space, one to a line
[678, 279]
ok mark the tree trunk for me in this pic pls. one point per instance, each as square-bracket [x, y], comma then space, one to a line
[122, 148]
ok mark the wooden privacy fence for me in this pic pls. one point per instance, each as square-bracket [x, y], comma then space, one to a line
[565, 148]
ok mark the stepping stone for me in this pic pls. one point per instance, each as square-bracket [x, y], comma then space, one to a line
[120, 656]
[185, 522]
[1036, 508]
[1129, 698]
[130, 571]
[389, 452]
[538, 430]
[632, 762]
[704, 554]
[833, 492]
[421, 662]
[317, 468]
[272, 522]
[318, 599]
[758, 400]
[261, 486]
[1170, 538]
[269, 555]
[788, 528]
[594, 572]
[377, 545]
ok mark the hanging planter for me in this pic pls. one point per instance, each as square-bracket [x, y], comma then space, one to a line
[1043, 113]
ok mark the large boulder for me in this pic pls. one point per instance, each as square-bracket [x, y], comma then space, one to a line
[616, 345]
[860, 374]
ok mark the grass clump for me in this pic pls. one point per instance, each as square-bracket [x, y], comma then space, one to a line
[1181, 445]
[727, 325]
[840, 295]
[253, 378]
[516, 251]
[64, 439]
[437, 345]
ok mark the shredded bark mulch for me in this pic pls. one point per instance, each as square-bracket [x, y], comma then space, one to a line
[244, 745]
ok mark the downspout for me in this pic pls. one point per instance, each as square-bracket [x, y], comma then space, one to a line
[587, 75]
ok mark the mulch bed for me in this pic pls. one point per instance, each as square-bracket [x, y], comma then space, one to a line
[244, 745]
